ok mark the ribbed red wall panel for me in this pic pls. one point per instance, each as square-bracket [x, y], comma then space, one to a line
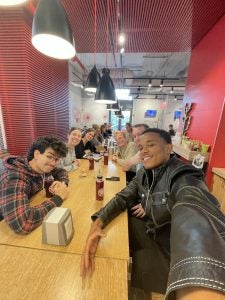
[206, 89]
[33, 88]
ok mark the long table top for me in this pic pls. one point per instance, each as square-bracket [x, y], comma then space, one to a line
[83, 204]
[34, 274]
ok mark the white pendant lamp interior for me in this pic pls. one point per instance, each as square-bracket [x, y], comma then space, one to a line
[11, 2]
[51, 32]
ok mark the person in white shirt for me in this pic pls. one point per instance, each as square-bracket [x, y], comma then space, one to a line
[70, 162]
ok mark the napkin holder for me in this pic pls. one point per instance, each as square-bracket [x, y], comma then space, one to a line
[57, 227]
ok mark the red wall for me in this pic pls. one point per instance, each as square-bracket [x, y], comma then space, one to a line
[34, 90]
[206, 89]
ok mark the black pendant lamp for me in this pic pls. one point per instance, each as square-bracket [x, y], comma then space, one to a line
[51, 32]
[118, 113]
[94, 76]
[105, 91]
[114, 107]
[93, 80]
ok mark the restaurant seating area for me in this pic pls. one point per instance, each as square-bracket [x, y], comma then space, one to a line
[92, 76]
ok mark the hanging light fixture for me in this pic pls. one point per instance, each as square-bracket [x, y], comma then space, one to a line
[114, 107]
[92, 80]
[11, 2]
[106, 91]
[94, 76]
[51, 32]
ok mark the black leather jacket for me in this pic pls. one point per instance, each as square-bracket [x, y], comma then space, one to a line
[176, 193]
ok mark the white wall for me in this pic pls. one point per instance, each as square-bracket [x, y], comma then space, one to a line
[84, 111]
[75, 107]
[165, 112]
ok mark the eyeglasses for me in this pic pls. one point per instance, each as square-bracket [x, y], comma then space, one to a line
[52, 158]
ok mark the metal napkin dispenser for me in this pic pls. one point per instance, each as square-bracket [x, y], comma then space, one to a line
[57, 227]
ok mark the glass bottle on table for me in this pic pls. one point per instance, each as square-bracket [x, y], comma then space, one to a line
[106, 158]
[91, 162]
[99, 188]
[47, 183]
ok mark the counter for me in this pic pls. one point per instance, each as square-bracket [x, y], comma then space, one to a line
[187, 153]
[218, 186]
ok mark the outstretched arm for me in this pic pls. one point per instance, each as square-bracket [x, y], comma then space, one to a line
[87, 265]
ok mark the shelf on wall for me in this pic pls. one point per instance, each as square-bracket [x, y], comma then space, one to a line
[187, 153]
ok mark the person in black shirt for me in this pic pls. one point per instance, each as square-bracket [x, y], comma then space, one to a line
[171, 130]
[85, 143]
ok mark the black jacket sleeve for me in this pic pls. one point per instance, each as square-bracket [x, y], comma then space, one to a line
[197, 242]
[118, 203]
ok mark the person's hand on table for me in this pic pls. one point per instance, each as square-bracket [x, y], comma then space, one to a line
[76, 162]
[87, 265]
[114, 157]
[60, 189]
[138, 211]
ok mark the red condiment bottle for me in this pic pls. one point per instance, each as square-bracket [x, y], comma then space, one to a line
[99, 188]
[91, 162]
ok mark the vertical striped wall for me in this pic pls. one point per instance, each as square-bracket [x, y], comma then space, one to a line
[33, 88]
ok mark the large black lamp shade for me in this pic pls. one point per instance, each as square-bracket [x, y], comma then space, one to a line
[92, 80]
[51, 32]
[105, 91]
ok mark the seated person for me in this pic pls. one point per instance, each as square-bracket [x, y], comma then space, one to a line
[98, 138]
[25, 176]
[85, 146]
[103, 130]
[125, 149]
[179, 249]
[128, 131]
[171, 130]
[109, 129]
[70, 162]
[135, 161]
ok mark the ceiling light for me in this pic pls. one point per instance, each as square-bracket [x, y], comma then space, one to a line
[150, 83]
[11, 2]
[122, 50]
[114, 107]
[121, 39]
[118, 113]
[51, 32]
[105, 91]
[94, 76]
[92, 80]
[123, 94]
[161, 84]
[171, 91]
[175, 98]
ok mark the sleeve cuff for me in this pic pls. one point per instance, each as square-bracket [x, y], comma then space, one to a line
[57, 200]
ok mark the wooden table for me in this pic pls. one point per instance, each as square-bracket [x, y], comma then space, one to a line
[82, 203]
[34, 274]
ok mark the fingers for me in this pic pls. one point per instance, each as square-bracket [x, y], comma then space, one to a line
[138, 211]
[135, 207]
